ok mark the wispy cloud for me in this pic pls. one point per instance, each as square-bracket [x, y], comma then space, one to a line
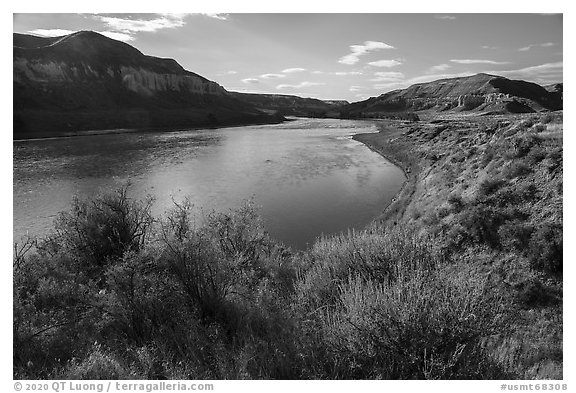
[272, 76]
[476, 61]
[250, 80]
[217, 16]
[544, 45]
[489, 47]
[445, 17]
[356, 88]
[360, 50]
[385, 63]
[403, 83]
[542, 74]
[438, 68]
[293, 70]
[299, 85]
[387, 77]
[232, 72]
[128, 25]
[344, 73]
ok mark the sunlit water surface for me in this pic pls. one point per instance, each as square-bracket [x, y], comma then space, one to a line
[308, 176]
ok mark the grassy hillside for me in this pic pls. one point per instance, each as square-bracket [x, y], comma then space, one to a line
[461, 278]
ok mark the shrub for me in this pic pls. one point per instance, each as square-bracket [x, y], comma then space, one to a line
[456, 202]
[532, 293]
[97, 231]
[489, 186]
[375, 255]
[96, 366]
[554, 160]
[482, 222]
[515, 235]
[546, 248]
[536, 154]
[428, 325]
[546, 118]
[516, 169]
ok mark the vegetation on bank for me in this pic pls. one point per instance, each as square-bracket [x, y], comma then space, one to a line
[116, 293]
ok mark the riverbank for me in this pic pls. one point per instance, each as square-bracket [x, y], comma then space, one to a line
[386, 143]
[488, 189]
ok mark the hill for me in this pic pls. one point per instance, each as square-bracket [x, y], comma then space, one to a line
[480, 93]
[290, 105]
[86, 81]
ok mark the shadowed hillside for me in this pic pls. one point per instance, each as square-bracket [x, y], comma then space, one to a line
[85, 81]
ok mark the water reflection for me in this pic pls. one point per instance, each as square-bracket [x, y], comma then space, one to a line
[308, 175]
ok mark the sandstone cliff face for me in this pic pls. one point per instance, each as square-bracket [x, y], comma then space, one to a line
[139, 80]
[85, 81]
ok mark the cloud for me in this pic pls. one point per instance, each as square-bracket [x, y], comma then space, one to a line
[51, 32]
[356, 88]
[489, 47]
[360, 50]
[544, 45]
[475, 61]
[292, 70]
[401, 84]
[250, 80]
[344, 73]
[385, 63]
[438, 68]
[232, 72]
[541, 74]
[299, 85]
[272, 76]
[128, 25]
[388, 77]
[217, 16]
[445, 17]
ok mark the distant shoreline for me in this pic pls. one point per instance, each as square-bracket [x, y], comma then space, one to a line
[114, 131]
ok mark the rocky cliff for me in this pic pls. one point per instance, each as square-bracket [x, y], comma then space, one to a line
[481, 92]
[86, 81]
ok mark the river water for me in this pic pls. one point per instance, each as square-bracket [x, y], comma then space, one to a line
[307, 175]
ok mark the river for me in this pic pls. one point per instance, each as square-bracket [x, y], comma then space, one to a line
[307, 175]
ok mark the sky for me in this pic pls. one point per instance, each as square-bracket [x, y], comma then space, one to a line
[331, 56]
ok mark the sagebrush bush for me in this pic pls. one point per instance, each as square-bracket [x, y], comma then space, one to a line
[97, 231]
[115, 293]
[546, 248]
[96, 366]
[517, 169]
[380, 255]
[427, 325]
